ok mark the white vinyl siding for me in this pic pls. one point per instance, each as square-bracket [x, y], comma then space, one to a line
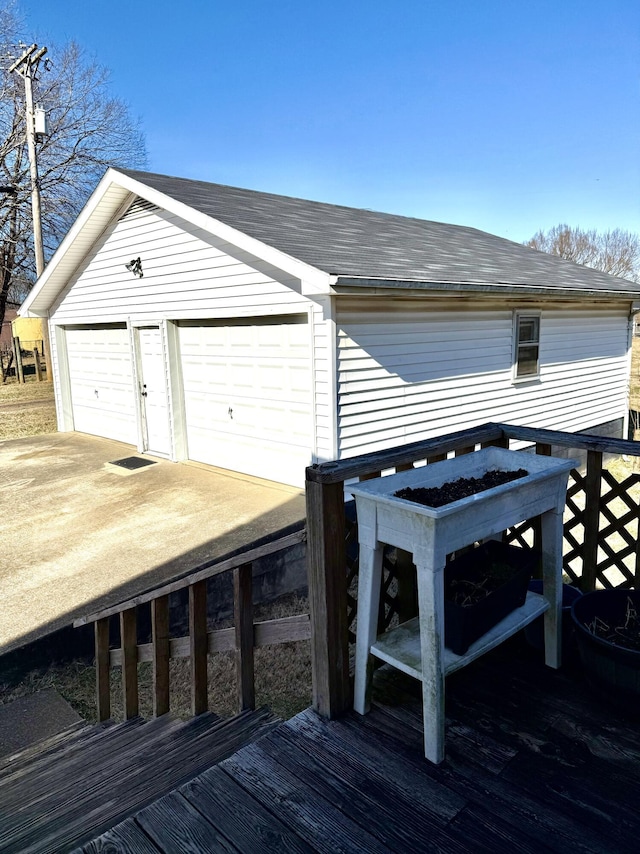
[187, 273]
[408, 371]
[101, 382]
[247, 392]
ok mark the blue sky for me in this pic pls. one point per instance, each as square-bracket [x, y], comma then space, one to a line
[507, 116]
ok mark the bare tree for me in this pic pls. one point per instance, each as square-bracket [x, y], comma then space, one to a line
[616, 251]
[88, 130]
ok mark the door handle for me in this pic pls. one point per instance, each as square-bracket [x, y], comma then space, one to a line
[144, 390]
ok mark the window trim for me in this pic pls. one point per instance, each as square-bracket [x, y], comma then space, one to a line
[518, 317]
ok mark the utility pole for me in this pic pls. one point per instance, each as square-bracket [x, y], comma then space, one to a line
[27, 67]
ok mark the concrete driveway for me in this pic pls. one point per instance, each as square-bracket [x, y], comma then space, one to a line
[78, 534]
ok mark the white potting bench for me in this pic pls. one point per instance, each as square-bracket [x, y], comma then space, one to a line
[430, 534]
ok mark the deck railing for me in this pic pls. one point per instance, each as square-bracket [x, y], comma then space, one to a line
[600, 539]
[601, 547]
[242, 638]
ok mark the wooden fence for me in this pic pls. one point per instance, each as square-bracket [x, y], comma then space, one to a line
[23, 358]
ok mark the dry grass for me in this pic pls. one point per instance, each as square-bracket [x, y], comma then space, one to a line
[36, 415]
[15, 392]
[282, 675]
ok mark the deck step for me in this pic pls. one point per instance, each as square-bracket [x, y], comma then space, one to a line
[90, 778]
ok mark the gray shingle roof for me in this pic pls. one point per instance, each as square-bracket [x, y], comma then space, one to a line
[360, 244]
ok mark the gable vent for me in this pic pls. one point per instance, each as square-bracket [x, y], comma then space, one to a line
[140, 206]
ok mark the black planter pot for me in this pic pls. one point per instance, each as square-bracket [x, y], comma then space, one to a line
[609, 669]
[465, 624]
[534, 632]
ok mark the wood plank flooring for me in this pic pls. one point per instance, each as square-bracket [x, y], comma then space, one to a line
[84, 781]
[535, 762]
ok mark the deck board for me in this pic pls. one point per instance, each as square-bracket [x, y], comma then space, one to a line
[240, 816]
[534, 762]
[402, 823]
[175, 825]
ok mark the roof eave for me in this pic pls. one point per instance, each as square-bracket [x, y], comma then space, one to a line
[354, 284]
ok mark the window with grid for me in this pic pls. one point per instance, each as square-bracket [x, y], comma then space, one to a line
[527, 346]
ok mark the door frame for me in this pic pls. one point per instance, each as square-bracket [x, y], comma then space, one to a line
[138, 378]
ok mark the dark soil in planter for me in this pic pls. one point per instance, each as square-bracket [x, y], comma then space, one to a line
[438, 496]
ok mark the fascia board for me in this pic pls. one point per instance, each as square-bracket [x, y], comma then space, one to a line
[103, 205]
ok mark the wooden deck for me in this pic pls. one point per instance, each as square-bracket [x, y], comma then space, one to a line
[535, 762]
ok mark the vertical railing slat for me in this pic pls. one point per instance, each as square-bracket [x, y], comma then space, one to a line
[243, 613]
[372, 475]
[198, 646]
[461, 452]
[502, 442]
[593, 488]
[160, 638]
[129, 645]
[103, 669]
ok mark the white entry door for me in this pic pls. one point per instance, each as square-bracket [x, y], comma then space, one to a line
[156, 436]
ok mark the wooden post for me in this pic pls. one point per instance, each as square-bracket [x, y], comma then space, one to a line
[103, 686]
[18, 360]
[36, 362]
[198, 646]
[243, 614]
[593, 487]
[5, 371]
[160, 638]
[327, 574]
[129, 645]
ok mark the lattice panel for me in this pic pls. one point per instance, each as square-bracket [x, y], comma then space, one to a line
[573, 551]
[618, 531]
[388, 603]
[522, 534]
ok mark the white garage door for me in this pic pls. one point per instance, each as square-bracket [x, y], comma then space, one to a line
[248, 396]
[100, 373]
